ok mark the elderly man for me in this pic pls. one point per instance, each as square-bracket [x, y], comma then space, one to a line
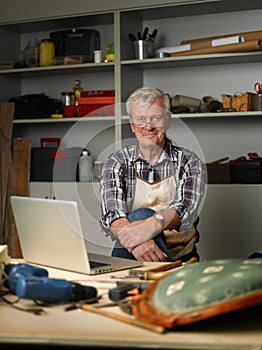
[151, 191]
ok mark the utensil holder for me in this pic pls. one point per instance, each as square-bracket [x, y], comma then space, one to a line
[143, 49]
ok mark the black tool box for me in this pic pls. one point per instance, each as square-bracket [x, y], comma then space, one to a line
[246, 171]
[53, 164]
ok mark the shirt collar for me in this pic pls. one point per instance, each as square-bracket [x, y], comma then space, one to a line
[166, 154]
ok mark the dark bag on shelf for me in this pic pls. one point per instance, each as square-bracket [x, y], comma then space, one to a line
[36, 106]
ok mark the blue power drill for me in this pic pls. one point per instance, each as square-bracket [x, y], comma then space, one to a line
[30, 282]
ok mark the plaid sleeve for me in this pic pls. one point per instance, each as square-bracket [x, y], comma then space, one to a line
[113, 192]
[191, 185]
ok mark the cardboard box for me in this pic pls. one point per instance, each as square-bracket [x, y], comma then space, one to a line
[241, 103]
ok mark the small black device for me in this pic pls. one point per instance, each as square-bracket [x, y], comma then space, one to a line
[76, 42]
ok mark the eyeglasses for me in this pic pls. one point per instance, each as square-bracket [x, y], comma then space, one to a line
[156, 120]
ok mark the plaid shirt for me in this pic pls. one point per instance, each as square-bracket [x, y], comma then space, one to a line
[122, 167]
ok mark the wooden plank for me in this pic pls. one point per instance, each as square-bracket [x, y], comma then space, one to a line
[6, 119]
[18, 185]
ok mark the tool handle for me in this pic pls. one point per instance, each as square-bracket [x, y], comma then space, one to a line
[160, 268]
[150, 275]
[167, 266]
[120, 292]
[153, 275]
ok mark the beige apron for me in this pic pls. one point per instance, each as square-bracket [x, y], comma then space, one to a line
[158, 196]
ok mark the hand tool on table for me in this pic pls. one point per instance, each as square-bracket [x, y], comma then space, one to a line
[123, 290]
[32, 282]
[156, 272]
[149, 275]
[78, 304]
[258, 87]
[169, 266]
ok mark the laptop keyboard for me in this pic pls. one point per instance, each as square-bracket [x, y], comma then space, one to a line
[94, 264]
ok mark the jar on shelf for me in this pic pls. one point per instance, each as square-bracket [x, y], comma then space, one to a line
[46, 53]
[77, 89]
[67, 98]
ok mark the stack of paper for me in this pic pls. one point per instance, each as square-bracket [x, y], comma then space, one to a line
[179, 48]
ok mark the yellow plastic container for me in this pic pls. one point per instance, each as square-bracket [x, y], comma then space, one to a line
[46, 53]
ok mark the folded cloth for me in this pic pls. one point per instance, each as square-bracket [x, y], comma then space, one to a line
[181, 243]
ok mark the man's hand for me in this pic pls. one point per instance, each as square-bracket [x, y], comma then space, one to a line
[132, 234]
[149, 251]
[139, 232]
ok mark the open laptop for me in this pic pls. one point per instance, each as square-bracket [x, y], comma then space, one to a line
[50, 234]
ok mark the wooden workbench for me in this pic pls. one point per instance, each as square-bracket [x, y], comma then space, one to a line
[78, 328]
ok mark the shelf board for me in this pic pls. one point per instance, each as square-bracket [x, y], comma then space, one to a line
[181, 61]
[70, 21]
[63, 120]
[124, 118]
[219, 115]
[60, 69]
[213, 115]
[149, 63]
